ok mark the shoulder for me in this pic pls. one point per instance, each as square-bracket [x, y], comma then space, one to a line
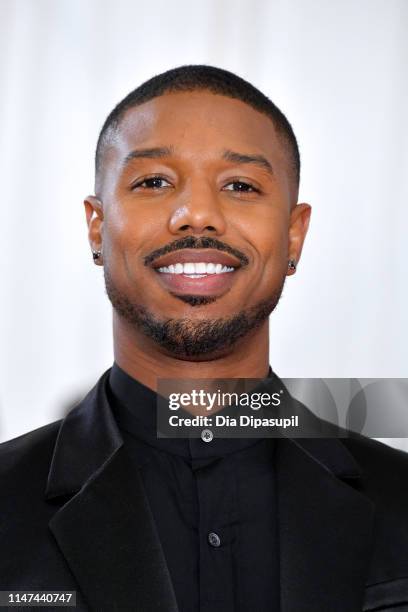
[384, 470]
[28, 456]
[384, 477]
[378, 460]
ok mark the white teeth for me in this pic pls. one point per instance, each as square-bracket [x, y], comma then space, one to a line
[200, 268]
[189, 268]
[195, 270]
[195, 275]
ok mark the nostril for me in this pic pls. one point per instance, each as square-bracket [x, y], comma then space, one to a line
[209, 228]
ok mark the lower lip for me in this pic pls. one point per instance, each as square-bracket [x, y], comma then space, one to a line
[212, 284]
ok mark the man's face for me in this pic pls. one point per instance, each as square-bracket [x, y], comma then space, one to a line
[189, 170]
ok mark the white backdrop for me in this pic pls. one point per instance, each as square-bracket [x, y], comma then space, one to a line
[338, 70]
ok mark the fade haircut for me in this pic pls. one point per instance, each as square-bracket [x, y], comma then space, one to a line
[205, 78]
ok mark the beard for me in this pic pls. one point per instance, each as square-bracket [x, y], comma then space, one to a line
[187, 338]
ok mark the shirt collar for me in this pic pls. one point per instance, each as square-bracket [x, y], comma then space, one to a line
[134, 407]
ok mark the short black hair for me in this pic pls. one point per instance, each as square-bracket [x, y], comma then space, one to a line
[207, 78]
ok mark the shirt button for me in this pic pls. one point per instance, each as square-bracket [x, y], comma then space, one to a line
[214, 539]
[207, 435]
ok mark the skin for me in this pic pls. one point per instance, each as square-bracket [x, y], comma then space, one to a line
[199, 197]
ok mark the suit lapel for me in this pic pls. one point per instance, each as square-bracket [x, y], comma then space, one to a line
[325, 527]
[106, 531]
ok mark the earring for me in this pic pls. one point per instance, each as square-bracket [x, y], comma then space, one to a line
[292, 264]
[96, 255]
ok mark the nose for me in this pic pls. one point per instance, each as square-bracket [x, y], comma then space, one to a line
[198, 211]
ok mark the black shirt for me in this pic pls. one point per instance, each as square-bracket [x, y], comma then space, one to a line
[214, 506]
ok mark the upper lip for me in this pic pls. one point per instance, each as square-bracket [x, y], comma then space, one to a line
[195, 256]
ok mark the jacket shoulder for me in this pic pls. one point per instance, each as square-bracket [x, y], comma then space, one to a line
[379, 462]
[28, 452]
[384, 477]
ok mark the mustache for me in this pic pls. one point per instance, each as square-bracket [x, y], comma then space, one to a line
[190, 242]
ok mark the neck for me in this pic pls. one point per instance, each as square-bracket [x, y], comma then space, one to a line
[145, 361]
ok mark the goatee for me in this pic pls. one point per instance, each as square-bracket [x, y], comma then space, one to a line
[187, 337]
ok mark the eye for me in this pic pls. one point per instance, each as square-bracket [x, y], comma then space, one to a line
[241, 187]
[152, 182]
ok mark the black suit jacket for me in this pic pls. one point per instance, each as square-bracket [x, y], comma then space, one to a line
[74, 516]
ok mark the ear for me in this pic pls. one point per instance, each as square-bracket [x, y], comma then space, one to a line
[94, 219]
[299, 224]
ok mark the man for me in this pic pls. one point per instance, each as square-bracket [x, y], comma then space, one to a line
[196, 223]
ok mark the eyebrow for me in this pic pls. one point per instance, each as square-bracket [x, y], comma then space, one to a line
[228, 155]
[152, 153]
[244, 158]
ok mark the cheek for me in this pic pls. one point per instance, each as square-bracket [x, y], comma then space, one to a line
[268, 232]
[125, 233]
[128, 225]
[116, 236]
[273, 245]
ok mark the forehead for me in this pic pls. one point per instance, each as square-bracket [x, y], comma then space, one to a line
[199, 124]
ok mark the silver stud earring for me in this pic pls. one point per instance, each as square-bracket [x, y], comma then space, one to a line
[96, 254]
[292, 264]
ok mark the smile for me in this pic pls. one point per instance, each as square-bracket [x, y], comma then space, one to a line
[205, 272]
[195, 269]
